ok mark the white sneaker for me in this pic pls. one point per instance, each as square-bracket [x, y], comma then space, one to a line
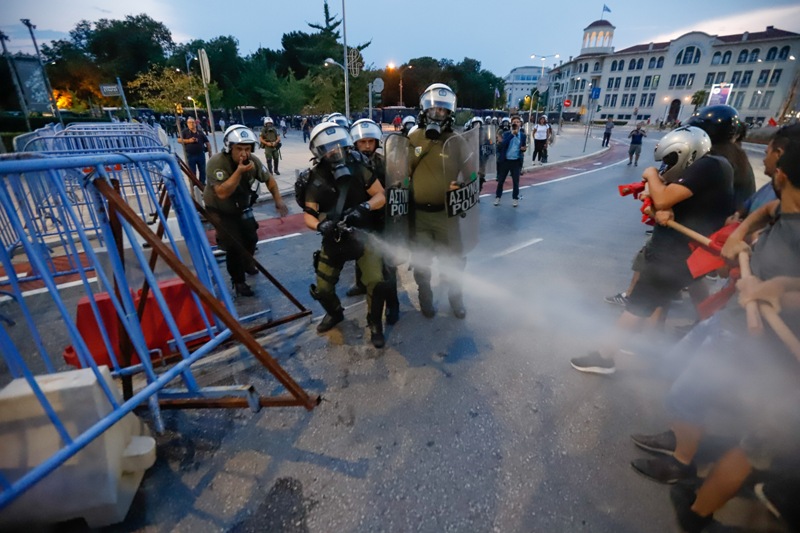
[515, 203]
[496, 201]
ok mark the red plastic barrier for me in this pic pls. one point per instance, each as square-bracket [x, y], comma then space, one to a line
[156, 333]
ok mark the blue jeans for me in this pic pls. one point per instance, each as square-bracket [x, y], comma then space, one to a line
[513, 166]
[198, 165]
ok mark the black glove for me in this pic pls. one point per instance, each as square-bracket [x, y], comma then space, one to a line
[326, 228]
[357, 217]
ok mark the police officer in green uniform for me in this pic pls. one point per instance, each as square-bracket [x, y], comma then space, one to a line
[432, 175]
[229, 177]
[271, 141]
[367, 138]
[342, 191]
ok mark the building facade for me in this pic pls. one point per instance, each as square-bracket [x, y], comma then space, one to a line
[657, 82]
[521, 82]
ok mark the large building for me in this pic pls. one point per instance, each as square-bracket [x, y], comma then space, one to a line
[521, 82]
[657, 81]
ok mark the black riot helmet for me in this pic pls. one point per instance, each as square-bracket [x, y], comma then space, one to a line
[721, 122]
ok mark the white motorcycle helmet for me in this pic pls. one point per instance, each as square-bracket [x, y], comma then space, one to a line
[237, 134]
[438, 104]
[366, 129]
[330, 142]
[678, 149]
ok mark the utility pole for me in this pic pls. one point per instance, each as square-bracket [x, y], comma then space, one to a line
[53, 103]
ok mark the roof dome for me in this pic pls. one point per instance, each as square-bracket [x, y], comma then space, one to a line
[599, 24]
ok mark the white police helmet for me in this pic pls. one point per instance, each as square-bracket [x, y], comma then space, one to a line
[366, 129]
[330, 141]
[237, 134]
[473, 122]
[409, 122]
[438, 95]
[678, 149]
[339, 119]
[267, 120]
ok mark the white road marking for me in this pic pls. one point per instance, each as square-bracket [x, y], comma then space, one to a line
[279, 238]
[517, 247]
[41, 290]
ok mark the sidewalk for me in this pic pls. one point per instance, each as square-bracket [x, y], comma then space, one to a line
[296, 156]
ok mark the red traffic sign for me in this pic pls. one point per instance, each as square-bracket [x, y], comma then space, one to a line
[567, 103]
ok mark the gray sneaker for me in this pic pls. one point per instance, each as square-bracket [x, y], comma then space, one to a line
[594, 363]
[618, 299]
[496, 201]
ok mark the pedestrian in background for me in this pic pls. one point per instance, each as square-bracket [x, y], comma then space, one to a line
[607, 131]
[196, 145]
[635, 148]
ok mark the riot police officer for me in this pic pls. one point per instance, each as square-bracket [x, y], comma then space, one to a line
[229, 177]
[433, 173]
[271, 141]
[342, 191]
[367, 138]
[408, 123]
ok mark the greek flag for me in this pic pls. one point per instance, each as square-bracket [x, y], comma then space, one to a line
[605, 9]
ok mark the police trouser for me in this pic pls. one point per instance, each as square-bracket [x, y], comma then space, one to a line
[230, 229]
[437, 235]
[328, 271]
[272, 155]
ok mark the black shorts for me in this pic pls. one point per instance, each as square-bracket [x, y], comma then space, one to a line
[659, 283]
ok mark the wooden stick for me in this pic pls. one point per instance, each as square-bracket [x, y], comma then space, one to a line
[780, 328]
[754, 324]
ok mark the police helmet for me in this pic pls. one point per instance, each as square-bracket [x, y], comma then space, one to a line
[487, 119]
[267, 120]
[237, 134]
[678, 149]
[473, 122]
[438, 102]
[505, 121]
[409, 122]
[330, 141]
[366, 129]
[721, 122]
[339, 119]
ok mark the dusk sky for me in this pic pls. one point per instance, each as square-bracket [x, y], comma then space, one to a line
[501, 35]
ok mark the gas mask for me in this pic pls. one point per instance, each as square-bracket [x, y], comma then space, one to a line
[435, 120]
[337, 160]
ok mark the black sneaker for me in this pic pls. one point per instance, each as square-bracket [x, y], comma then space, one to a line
[664, 470]
[243, 289]
[620, 298]
[663, 443]
[329, 321]
[780, 497]
[683, 497]
[594, 363]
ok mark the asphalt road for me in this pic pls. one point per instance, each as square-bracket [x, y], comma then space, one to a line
[456, 425]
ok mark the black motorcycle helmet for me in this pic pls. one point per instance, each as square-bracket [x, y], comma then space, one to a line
[721, 122]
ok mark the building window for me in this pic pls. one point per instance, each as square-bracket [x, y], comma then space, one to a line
[586, 67]
[617, 81]
[776, 77]
[632, 64]
[738, 100]
[628, 82]
[580, 100]
[635, 82]
[610, 83]
[672, 80]
[746, 77]
[754, 55]
[736, 77]
[755, 99]
[716, 59]
[726, 58]
[681, 80]
[772, 53]
[743, 56]
[783, 55]
[762, 78]
[656, 79]
[679, 58]
[652, 63]
[613, 100]
[720, 77]
[624, 102]
[643, 100]
[640, 64]
[583, 85]
[597, 66]
[690, 81]
[607, 100]
[766, 101]
[709, 80]
[613, 66]
[651, 99]
[647, 80]
[660, 62]
[688, 55]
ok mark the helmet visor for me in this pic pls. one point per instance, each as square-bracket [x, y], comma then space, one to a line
[437, 114]
[438, 98]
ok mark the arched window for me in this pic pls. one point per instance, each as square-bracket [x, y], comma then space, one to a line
[586, 67]
[726, 57]
[783, 55]
[716, 59]
[660, 63]
[596, 66]
[742, 56]
[652, 63]
[688, 55]
[613, 66]
[640, 64]
[679, 58]
[772, 53]
[754, 55]
[632, 64]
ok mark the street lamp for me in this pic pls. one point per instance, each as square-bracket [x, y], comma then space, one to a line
[194, 103]
[330, 61]
[542, 85]
[392, 66]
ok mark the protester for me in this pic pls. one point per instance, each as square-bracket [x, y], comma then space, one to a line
[197, 145]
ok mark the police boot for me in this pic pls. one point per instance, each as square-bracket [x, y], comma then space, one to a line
[375, 316]
[457, 305]
[356, 290]
[425, 294]
[333, 310]
[392, 306]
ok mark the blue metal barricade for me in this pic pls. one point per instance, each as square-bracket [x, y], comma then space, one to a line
[120, 193]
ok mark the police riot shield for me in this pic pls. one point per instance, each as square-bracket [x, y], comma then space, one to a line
[488, 152]
[398, 197]
[461, 164]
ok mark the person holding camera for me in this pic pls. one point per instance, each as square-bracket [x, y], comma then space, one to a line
[271, 142]
[510, 151]
[196, 144]
[227, 198]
